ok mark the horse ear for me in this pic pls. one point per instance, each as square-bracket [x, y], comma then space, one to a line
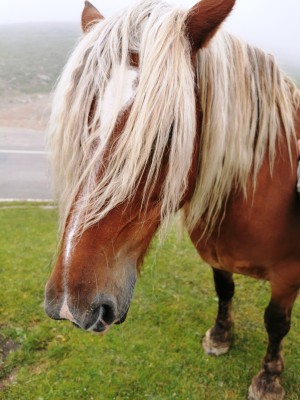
[204, 20]
[90, 16]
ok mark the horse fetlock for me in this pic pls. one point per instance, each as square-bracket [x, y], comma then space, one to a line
[266, 386]
[216, 342]
[273, 367]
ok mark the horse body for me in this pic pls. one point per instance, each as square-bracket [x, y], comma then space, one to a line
[226, 156]
[257, 237]
[258, 234]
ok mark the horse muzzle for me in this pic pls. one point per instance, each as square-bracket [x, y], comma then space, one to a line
[93, 305]
[98, 317]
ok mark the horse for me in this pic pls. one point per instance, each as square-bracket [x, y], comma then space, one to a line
[160, 111]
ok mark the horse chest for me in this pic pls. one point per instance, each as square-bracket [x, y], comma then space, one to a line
[234, 257]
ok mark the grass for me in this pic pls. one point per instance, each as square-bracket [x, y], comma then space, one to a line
[155, 355]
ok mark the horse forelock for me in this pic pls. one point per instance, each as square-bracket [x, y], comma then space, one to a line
[164, 99]
[243, 95]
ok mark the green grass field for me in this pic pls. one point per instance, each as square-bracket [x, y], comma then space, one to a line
[156, 354]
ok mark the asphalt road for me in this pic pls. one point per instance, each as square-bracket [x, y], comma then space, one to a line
[24, 171]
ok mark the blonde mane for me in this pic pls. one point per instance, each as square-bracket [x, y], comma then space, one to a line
[244, 98]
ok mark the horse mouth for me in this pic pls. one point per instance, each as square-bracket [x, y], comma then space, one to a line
[100, 328]
[122, 319]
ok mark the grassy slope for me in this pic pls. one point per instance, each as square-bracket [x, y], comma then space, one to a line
[155, 355]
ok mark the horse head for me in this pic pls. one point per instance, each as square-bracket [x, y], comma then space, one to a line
[126, 151]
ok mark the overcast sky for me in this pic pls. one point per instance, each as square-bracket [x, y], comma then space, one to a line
[273, 25]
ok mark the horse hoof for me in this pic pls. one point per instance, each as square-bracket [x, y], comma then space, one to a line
[214, 347]
[262, 388]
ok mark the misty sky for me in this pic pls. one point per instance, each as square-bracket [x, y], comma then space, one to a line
[273, 25]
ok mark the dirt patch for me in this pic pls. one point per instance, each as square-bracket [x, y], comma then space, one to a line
[8, 380]
[25, 111]
[7, 345]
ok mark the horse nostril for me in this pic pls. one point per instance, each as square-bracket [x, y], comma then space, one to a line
[101, 314]
[108, 314]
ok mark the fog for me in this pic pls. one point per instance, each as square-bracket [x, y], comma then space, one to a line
[270, 24]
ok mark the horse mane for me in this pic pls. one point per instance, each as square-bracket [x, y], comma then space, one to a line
[244, 98]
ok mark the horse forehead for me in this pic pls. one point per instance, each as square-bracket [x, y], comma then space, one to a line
[121, 87]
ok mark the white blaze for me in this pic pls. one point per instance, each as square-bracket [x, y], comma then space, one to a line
[74, 221]
[112, 93]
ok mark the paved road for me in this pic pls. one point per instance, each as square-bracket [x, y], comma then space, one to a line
[24, 172]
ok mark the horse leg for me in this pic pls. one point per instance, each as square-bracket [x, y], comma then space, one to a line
[218, 339]
[266, 384]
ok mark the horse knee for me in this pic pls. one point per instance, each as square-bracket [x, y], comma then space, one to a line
[277, 321]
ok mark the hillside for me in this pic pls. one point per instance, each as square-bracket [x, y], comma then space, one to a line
[32, 55]
[31, 59]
